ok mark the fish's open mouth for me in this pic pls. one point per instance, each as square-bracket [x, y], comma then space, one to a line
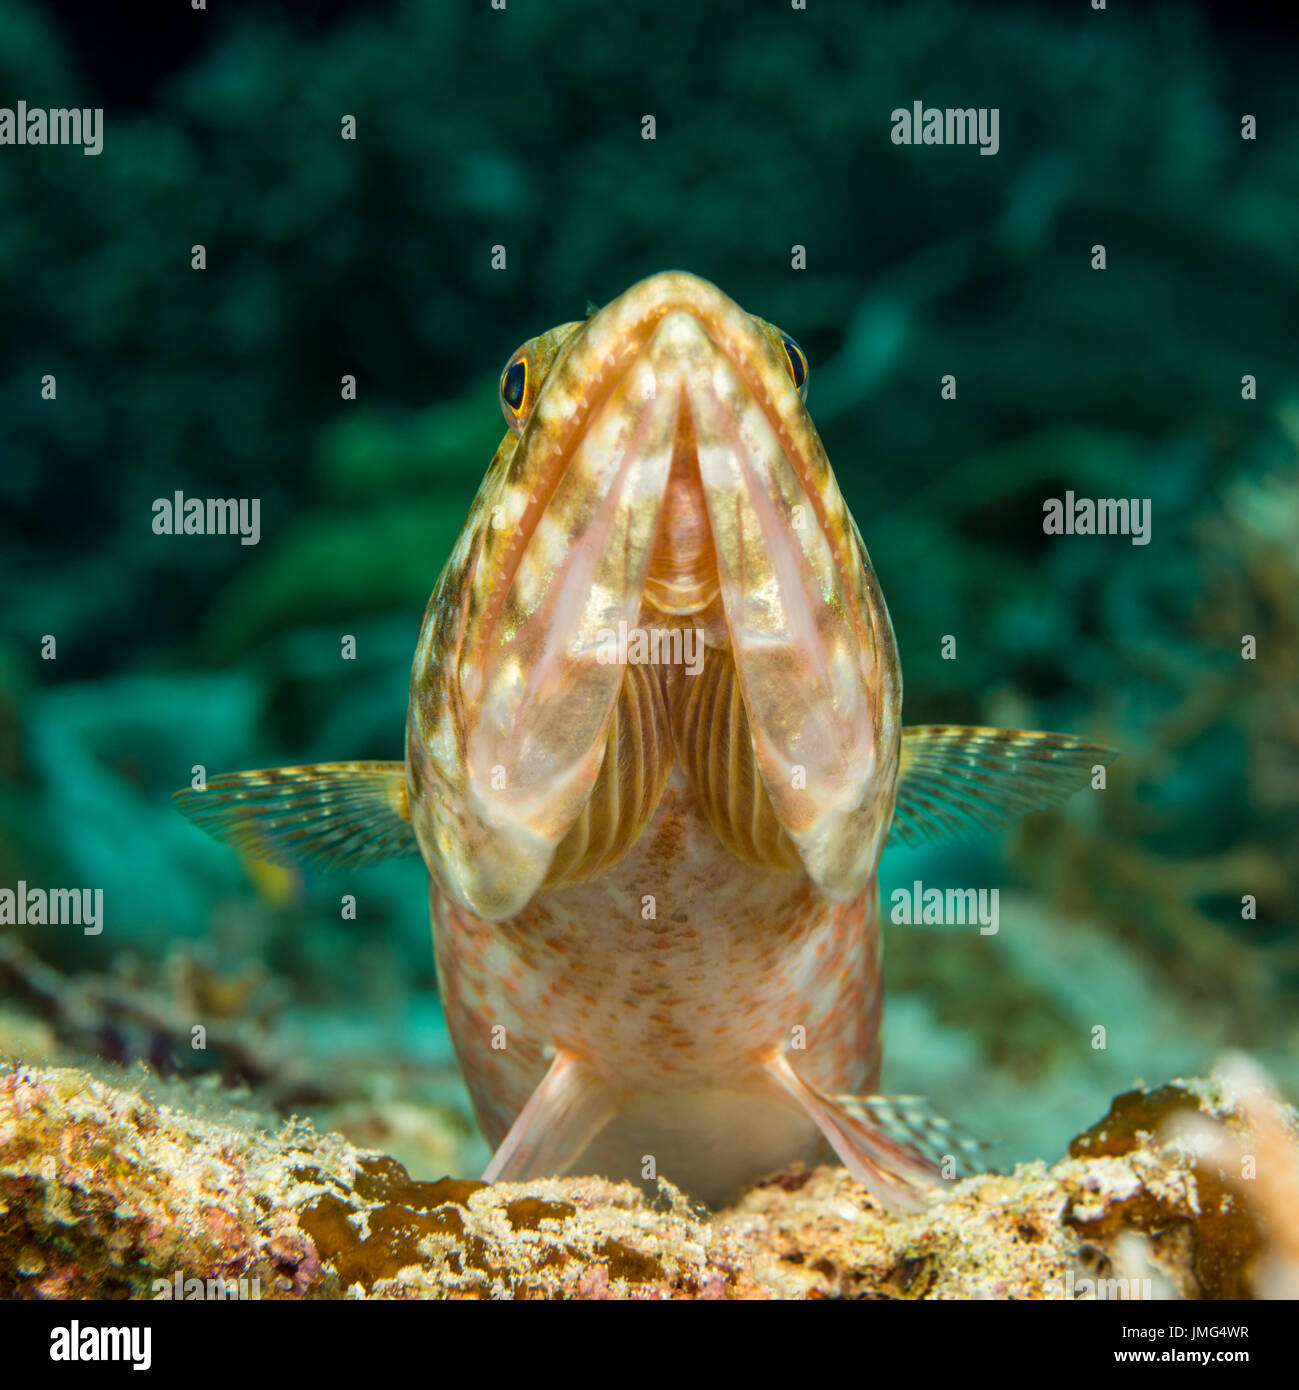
[685, 378]
[669, 470]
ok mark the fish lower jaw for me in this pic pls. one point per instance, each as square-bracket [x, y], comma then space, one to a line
[693, 597]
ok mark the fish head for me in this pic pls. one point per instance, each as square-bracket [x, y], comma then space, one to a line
[660, 461]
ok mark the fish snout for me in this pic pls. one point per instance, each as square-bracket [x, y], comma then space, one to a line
[669, 467]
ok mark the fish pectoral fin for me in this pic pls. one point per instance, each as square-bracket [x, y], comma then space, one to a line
[955, 781]
[337, 815]
[566, 1111]
[895, 1146]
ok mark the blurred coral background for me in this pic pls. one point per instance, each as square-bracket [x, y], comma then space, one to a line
[523, 128]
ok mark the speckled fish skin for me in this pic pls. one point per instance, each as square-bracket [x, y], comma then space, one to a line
[670, 401]
[653, 886]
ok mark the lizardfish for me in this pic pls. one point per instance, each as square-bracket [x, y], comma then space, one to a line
[653, 754]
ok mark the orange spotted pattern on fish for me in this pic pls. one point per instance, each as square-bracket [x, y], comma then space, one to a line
[653, 885]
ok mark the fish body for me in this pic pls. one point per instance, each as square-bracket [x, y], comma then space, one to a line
[653, 863]
[667, 1023]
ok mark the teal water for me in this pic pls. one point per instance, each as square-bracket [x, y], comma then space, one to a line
[373, 258]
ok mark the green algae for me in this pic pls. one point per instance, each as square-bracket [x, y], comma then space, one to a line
[1131, 1115]
[625, 1263]
[407, 1212]
[1225, 1238]
[527, 1213]
[387, 1180]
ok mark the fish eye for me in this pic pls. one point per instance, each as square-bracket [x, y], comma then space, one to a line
[514, 390]
[797, 360]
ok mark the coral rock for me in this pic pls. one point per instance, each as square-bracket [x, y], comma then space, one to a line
[105, 1192]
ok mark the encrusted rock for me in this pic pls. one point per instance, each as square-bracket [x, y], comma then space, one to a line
[1184, 1191]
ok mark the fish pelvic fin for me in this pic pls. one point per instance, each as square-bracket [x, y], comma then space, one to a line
[566, 1111]
[955, 781]
[333, 815]
[895, 1146]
